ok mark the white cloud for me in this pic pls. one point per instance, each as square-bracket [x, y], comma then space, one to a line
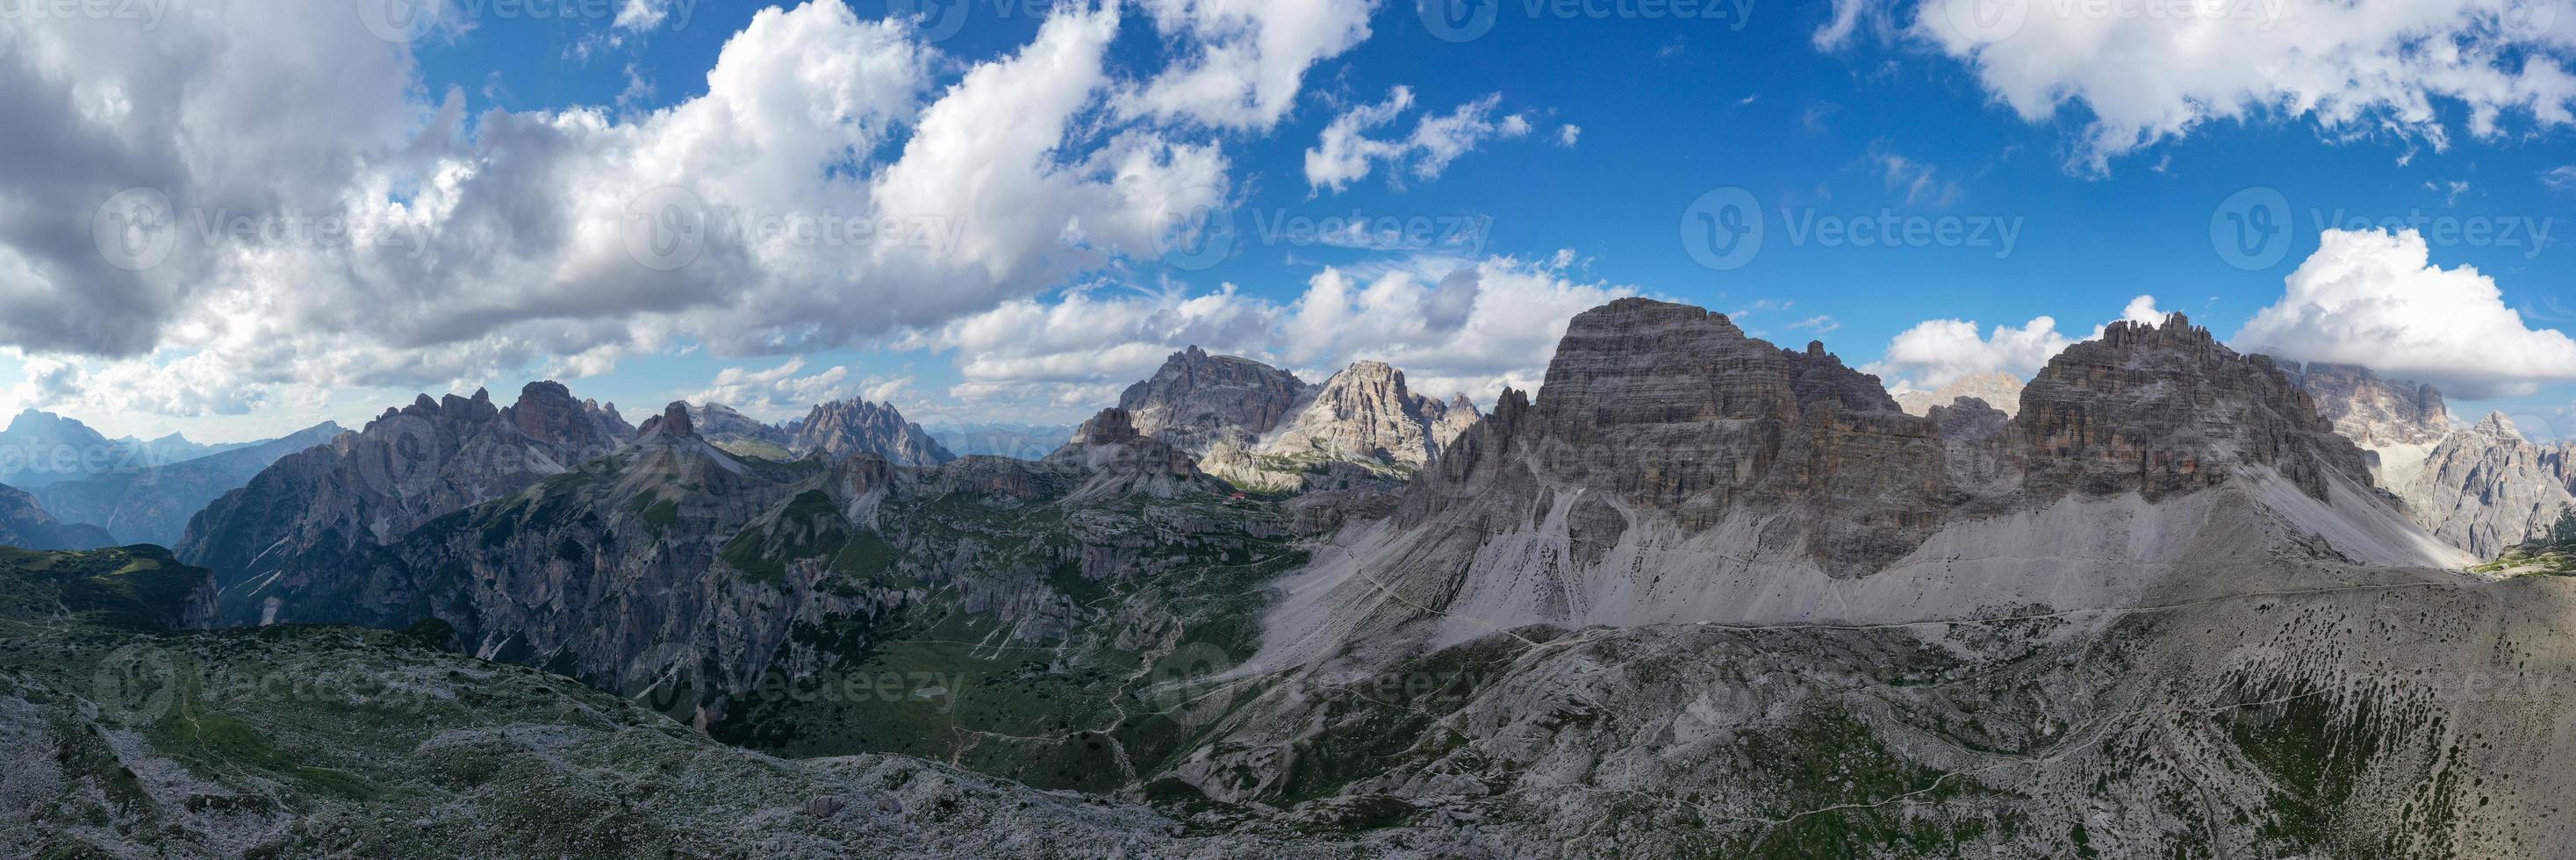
[1935, 353]
[1454, 327]
[2143, 310]
[777, 393]
[2560, 178]
[639, 15]
[1346, 154]
[521, 230]
[1247, 57]
[1567, 134]
[1918, 181]
[2375, 298]
[1081, 349]
[2393, 67]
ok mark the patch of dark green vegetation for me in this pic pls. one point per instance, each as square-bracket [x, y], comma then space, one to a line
[1003, 694]
[1831, 788]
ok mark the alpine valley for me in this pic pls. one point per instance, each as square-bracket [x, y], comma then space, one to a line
[1696, 595]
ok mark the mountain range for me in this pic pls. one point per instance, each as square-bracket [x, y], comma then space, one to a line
[1261, 427]
[1695, 595]
[152, 505]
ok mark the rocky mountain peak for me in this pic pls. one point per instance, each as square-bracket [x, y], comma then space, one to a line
[1196, 400]
[1818, 376]
[2498, 425]
[1121, 461]
[855, 426]
[1365, 414]
[1111, 426]
[673, 423]
[547, 411]
[2167, 408]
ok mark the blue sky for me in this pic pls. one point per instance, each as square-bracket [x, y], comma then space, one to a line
[1586, 148]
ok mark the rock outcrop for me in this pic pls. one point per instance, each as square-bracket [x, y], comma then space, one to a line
[844, 429]
[2482, 488]
[1366, 414]
[2371, 411]
[331, 505]
[2167, 409]
[1118, 460]
[1197, 400]
[673, 569]
[1674, 469]
[1262, 428]
[2486, 488]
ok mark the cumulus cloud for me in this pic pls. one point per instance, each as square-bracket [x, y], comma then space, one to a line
[2143, 310]
[1934, 353]
[2375, 298]
[2136, 75]
[779, 393]
[1453, 326]
[1248, 60]
[833, 185]
[1347, 154]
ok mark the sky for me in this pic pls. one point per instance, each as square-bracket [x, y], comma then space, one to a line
[236, 219]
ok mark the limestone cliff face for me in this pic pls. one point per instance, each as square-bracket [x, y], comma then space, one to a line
[1366, 413]
[2483, 488]
[1262, 428]
[742, 435]
[2371, 411]
[1674, 469]
[1198, 400]
[1670, 413]
[1118, 460]
[2486, 489]
[848, 428]
[409, 466]
[2167, 409]
[675, 568]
